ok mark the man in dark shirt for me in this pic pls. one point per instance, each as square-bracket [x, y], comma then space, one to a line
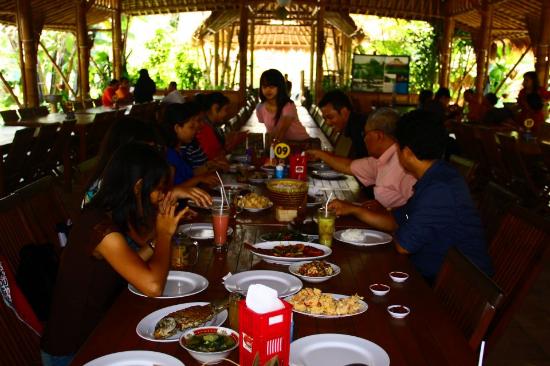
[337, 112]
[440, 214]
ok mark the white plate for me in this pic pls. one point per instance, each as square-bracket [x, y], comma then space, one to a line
[179, 284]
[265, 237]
[328, 174]
[294, 267]
[288, 260]
[268, 169]
[234, 187]
[200, 231]
[362, 308]
[336, 350]
[215, 201]
[136, 358]
[373, 237]
[257, 180]
[146, 326]
[319, 165]
[259, 209]
[243, 158]
[283, 283]
[319, 200]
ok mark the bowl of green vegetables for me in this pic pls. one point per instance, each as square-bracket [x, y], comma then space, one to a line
[210, 344]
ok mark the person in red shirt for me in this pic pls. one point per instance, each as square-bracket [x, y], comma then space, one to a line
[531, 101]
[109, 94]
[476, 110]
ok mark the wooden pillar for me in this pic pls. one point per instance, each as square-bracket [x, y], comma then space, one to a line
[252, 40]
[543, 47]
[483, 45]
[29, 44]
[117, 40]
[83, 49]
[243, 48]
[320, 51]
[216, 58]
[312, 59]
[347, 58]
[445, 51]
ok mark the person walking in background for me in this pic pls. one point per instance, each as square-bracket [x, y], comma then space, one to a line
[145, 87]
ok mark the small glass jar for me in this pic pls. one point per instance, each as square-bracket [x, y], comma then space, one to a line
[185, 252]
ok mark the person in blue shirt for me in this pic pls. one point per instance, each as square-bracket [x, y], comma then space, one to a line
[441, 213]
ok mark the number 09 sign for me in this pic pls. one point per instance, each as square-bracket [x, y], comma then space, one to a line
[282, 150]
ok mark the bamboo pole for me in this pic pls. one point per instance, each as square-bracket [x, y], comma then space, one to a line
[9, 89]
[243, 49]
[58, 69]
[512, 69]
[216, 59]
[445, 55]
[83, 50]
[104, 76]
[117, 39]
[336, 49]
[484, 42]
[320, 50]
[225, 69]
[28, 48]
[311, 58]
[543, 47]
[252, 40]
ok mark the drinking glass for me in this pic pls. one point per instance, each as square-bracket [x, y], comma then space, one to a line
[326, 219]
[185, 252]
[220, 223]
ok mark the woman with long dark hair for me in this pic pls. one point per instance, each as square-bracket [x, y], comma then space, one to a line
[531, 101]
[276, 110]
[98, 262]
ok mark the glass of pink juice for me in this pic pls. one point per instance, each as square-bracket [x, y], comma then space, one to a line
[220, 223]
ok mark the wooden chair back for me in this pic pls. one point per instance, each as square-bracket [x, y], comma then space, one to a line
[470, 297]
[491, 150]
[97, 130]
[518, 250]
[9, 115]
[495, 203]
[470, 146]
[545, 150]
[16, 159]
[466, 167]
[26, 113]
[511, 156]
[59, 153]
[40, 149]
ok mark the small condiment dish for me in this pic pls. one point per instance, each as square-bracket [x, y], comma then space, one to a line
[398, 311]
[295, 267]
[398, 276]
[379, 289]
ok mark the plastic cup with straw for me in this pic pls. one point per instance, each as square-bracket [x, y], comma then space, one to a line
[326, 219]
[220, 219]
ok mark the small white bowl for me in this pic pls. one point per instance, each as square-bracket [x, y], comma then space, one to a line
[398, 311]
[209, 357]
[380, 291]
[293, 268]
[398, 276]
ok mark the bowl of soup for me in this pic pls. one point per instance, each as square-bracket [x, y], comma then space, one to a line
[209, 344]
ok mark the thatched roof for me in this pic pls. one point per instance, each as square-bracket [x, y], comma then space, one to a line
[512, 18]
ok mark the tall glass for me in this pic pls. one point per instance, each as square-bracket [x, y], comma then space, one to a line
[326, 219]
[185, 252]
[220, 223]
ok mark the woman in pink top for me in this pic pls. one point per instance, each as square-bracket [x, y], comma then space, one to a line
[276, 110]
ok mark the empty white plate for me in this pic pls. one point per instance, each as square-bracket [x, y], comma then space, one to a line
[200, 231]
[327, 174]
[284, 283]
[179, 284]
[336, 350]
[136, 358]
[371, 237]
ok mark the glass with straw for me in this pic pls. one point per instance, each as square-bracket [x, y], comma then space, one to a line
[220, 220]
[326, 219]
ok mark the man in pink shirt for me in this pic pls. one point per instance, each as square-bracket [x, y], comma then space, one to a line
[392, 185]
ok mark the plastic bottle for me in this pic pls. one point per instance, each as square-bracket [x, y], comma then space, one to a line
[279, 171]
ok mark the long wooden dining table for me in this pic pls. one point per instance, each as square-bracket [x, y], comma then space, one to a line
[426, 337]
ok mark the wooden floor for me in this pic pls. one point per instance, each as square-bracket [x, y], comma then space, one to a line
[526, 342]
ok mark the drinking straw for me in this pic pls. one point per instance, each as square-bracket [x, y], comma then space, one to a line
[326, 204]
[481, 351]
[222, 189]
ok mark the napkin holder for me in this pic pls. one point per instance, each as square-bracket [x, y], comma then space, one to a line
[264, 335]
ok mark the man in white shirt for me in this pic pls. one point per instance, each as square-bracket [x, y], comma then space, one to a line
[173, 95]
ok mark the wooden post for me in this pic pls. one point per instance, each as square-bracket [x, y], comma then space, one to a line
[445, 53]
[58, 69]
[226, 76]
[216, 59]
[28, 47]
[320, 51]
[243, 48]
[9, 89]
[512, 69]
[252, 40]
[543, 47]
[484, 43]
[117, 40]
[312, 58]
[83, 49]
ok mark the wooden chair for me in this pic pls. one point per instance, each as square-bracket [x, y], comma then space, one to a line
[545, 150]
[60, 154]
[16, 159]
[515, 164]
[26, 113]
[495, 203]
[9, 115]
[98, 129]
[40, 148]
[469, 296]
[518, 250]
[41, 111]
[491, 151]
[466, 167]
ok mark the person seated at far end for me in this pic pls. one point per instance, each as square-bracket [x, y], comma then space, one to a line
[476, 110]
[338, 113]
[392, 185]
[494, 115]
[441, 213]
[109, 94]
[172, 94]
[123, 92]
